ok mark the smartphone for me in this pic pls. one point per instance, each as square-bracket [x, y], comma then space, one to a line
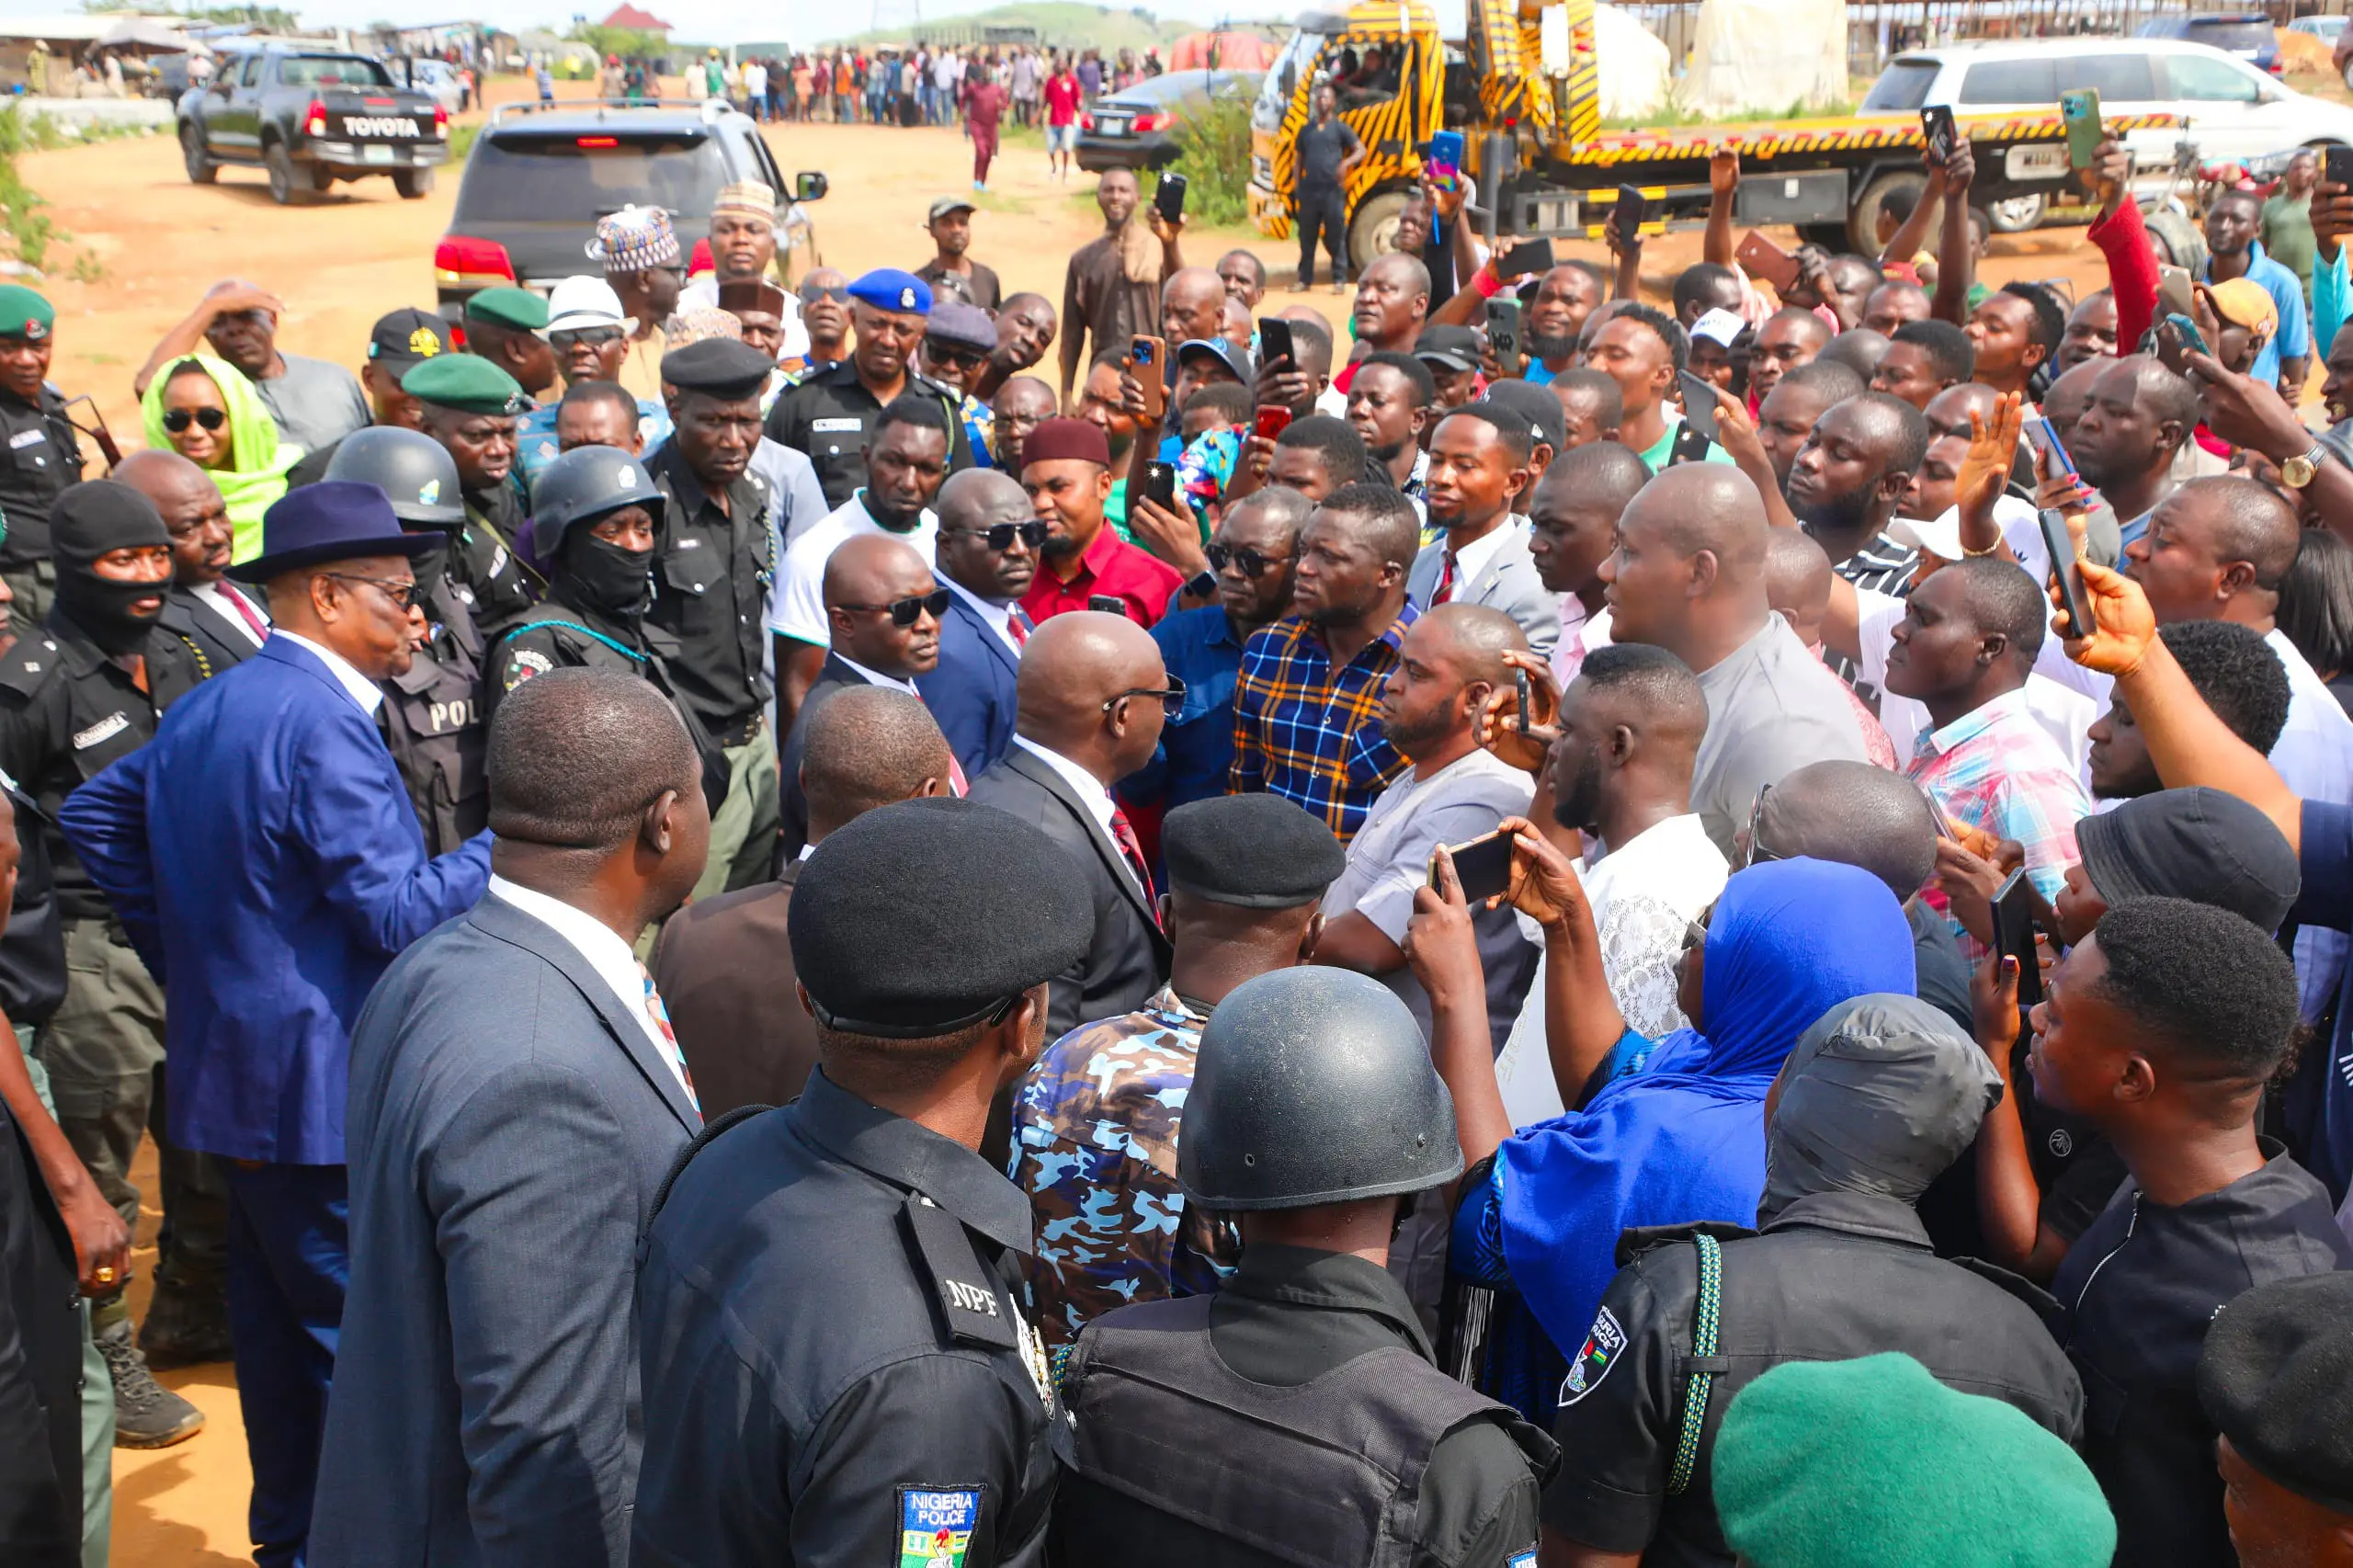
[1760, 258]
[1270, 422]
[1503, 333]
[1698, 405]
[2336, 166]
[2079, 110]
[1107, 604]
[1936, 129]
[1632, 208]
[1482, 866]
[1445, 147]
[1528, 256]
[2062, 546]
[1945, 829]
[1520, 685]
[2043, 436]
[1170, 197]
[2191, 338]
[2173, 288]
[1274, 341]
[2014, 932]
[1160, 486]
[1144, 362]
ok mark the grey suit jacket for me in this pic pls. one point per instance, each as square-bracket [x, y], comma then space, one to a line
[510, 1124]
[1508, 582]
[1128, 960]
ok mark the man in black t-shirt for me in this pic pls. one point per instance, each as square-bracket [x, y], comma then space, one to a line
[1327, 152]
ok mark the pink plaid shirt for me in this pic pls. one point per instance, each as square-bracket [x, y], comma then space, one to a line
[1996, 767]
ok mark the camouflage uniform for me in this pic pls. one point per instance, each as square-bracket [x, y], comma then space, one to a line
[1095, 1146]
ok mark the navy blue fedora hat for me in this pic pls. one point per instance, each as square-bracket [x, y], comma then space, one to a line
[335, 519]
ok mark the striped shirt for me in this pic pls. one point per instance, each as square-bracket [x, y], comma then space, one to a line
[1884, 566]
[1997, 769]
[1311, 734]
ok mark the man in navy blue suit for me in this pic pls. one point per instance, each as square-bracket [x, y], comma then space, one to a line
[262, 853]
[989, 539]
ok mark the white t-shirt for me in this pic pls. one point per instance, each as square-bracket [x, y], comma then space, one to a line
[797, 603]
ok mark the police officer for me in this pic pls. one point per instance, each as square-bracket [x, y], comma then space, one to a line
[831, 414]
[85, 689]
[43, 457]
[470, 406]
[432, 717]
[715, 550]
[835, 1358]
[592, 517]
[1200, 1423]
[1876, 1099]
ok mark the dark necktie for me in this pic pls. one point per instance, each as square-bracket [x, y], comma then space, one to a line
[1124, 835]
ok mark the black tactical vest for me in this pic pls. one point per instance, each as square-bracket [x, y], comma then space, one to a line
[433, 723]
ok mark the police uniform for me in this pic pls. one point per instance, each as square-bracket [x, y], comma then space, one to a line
[436, 726]
[560, 637]
[1201, 1426]
[830, 414]
[43, 457]
[481, 563]
[711, 572]
[836, 1361]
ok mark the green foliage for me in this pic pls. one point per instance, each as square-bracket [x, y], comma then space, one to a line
[1214, 154]
[627, 42]
[461, 142]
[28, 225]
[268, 18]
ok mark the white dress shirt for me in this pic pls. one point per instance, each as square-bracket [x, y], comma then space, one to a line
[219, 595]
[365, 692]
[1472, 558]
[601, 947]
[1088, 789]
[875, 678]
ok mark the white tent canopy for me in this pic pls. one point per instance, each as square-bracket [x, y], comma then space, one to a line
[1765, 57]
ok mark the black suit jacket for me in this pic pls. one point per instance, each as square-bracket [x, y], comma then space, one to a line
[1128, 960]
[205, 631]
[793, 804]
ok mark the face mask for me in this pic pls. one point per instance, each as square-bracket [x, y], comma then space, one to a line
[607, 578]
[430, 570]
[101, 607]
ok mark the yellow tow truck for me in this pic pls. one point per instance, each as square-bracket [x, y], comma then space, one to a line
[1523, 82]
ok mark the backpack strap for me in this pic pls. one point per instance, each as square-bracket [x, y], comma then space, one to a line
[1704, 1316]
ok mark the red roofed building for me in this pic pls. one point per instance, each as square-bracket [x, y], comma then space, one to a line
[635, 20]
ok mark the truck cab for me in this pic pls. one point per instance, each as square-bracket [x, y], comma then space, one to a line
[310, 118]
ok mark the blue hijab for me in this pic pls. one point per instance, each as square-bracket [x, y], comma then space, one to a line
[1683, 1139]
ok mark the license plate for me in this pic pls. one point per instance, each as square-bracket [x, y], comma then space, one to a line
[2035, 162]
[376, 152]
[1110, 125]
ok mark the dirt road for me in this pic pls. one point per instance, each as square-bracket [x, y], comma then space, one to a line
[340, 264]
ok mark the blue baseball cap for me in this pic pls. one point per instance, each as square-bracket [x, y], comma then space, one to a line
[889, 288]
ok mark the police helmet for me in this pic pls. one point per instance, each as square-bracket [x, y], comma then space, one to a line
[582, 485]
[410, 467]
[1314, 1086]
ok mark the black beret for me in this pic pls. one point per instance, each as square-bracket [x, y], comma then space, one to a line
[921, 918]
[1252, 851]
[2276, 1378]
[720, 365]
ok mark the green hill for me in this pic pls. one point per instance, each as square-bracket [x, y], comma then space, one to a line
[1105, 27]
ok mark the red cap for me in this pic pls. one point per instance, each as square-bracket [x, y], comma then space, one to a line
[1055, 440]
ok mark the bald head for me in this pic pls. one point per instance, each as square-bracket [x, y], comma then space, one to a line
[1475, 639]
[975, 497]
[1855, 814]
[1192, 304]
[868, 746]
[1074, 694]
[2252, 524]
[191, 509]
[159, 472]
[874, 569]
[1797, 581]
[1707, 507]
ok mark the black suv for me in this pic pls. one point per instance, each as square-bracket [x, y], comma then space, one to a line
[312, 118]
[539, 178]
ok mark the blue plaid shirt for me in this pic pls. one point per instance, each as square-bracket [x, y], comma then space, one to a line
[1311, 734]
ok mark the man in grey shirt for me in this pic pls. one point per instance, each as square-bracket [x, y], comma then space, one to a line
[1689, 577]
[1451, 662]
[314, 402]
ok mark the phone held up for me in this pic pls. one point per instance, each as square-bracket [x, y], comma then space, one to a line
[1273, 340]
[2336, 166]
[2062, 546]
[1503, 333]
[1169, 197]
[1936, 128]
[1530, 258]
[1760, 258]
[1144, 357]
[1482, 866]
[1271, 420]
[2014, 932]
[2079, 111]
[1160, 486]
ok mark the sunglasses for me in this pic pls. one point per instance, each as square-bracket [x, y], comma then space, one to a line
[1172, 696]
[1758, 854]
[1000, 536]
[906, 612]
[407, 594]
[963, 359]
[179, 419]
[593, 337]
[812, 292]
[1250, 563]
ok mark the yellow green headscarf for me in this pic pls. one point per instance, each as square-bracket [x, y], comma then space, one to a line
[262, 459]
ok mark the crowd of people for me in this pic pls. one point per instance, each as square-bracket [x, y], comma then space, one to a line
[753, 929]
[921, 85]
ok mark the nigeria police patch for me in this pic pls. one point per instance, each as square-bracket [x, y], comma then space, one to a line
[935, 1525]
[1594, 1359]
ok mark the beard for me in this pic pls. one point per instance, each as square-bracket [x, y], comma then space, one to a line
[1839, 515]
[1548, 346]
[1579, 803]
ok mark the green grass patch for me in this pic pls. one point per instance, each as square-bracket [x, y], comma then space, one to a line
[1214, 154]
[461, 142]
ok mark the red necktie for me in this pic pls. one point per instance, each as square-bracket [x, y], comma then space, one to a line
[237, 600]
[1445, 582]
[1019, 625]
[1124, 835]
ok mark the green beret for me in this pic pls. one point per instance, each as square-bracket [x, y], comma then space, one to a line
[517, 308]
[24, 314]
[464, 381]
[1858, 1465]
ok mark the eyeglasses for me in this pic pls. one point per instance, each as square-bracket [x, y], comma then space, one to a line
[906, 612]
[406, 595]
[1000, 536]
[1172, 696]
[179, 419]
[1249, 562]
[812, 292]
[962, 357]
[592, 336]
[1758, 854]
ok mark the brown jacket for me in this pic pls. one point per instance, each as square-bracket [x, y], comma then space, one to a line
[726, 972]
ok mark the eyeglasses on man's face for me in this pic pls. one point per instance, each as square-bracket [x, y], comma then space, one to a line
[1172, 696]
[1000, 536]
[1248, 560]
[907, 611]
[406, 592]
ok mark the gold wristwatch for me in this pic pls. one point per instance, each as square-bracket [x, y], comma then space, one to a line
[2297, 472]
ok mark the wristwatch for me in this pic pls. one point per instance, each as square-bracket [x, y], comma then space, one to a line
[1203, 585]
[2297, 472]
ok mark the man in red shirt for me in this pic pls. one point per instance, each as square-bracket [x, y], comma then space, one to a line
[1062, 118]
[983, 105]
[1066, 469]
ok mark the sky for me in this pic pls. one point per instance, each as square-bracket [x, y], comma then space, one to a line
[714, 21]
